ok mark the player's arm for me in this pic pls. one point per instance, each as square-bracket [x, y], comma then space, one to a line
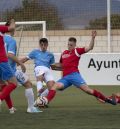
[3, 29]
[91, 45]
[15, 59]
[24, 59]
[12, 25]
[30, 56]
[56, 66]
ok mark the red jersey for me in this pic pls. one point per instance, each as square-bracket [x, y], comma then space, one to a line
[70, 60]
[3, 56]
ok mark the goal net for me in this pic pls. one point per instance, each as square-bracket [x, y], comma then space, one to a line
[27, 36]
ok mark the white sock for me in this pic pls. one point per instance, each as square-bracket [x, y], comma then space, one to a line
[39, 85]
[45, 92]
[30, 97]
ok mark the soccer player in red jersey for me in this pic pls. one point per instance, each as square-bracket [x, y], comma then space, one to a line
[71, 76]
[6, 73]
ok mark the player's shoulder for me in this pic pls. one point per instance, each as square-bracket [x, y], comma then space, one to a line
[35, 50]
[50, 53]
[7, 36]
[65, 51]
[79, 48]
[9, 39]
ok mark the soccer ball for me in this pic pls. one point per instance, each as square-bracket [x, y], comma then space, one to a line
[41, 101]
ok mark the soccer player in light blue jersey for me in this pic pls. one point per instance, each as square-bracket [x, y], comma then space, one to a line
[43, 60]
[22, 78]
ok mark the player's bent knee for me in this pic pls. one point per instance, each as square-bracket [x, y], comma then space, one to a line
[50, 84]
[59, 86]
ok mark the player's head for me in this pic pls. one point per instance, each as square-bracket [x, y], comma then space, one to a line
[71, 43]
[43, 43]
[8, 24]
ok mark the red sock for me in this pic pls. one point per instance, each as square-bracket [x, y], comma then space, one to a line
[99, 95]
[7, 90]
[118, 99]
[51, 95]
[8, 99]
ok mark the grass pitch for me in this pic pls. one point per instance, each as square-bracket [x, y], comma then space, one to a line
[71, 109]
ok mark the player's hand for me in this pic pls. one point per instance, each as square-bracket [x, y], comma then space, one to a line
[94, 33]
[23, 67]
[12, 25]
[12, 21]
[54, 67]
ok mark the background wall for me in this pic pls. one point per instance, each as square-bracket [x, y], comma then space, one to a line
[58, 43]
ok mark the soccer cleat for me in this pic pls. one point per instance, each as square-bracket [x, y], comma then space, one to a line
[115, 98]
[12, 110]
[43, 106]
[33, 110]
[111, 101]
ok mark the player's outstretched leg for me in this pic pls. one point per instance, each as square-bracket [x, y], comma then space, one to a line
[30, 98]
[24, 80]
[52, 92]
[97, 94]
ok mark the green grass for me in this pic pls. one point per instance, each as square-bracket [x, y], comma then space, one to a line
[71, 109]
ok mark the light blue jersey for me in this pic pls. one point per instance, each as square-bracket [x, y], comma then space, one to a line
[11, 47]
[42, 58]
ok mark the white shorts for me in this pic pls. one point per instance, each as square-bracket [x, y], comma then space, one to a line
[21, 77]
[40, 70]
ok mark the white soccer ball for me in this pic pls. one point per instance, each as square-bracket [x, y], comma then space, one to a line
[41, 101]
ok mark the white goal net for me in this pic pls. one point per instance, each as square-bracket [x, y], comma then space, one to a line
[27, 36]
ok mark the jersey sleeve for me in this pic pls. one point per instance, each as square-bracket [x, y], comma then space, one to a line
[3, 29]
[11, 48]
[52, 61]
[80, 51]
[10, 44]
[31, 55]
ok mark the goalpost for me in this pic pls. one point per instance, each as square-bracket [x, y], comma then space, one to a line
[27, 36]
[22, 28]
[43, 23]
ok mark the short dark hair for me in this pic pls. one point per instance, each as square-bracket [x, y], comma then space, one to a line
[43, 40]
[7, 23]
[72, 39]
